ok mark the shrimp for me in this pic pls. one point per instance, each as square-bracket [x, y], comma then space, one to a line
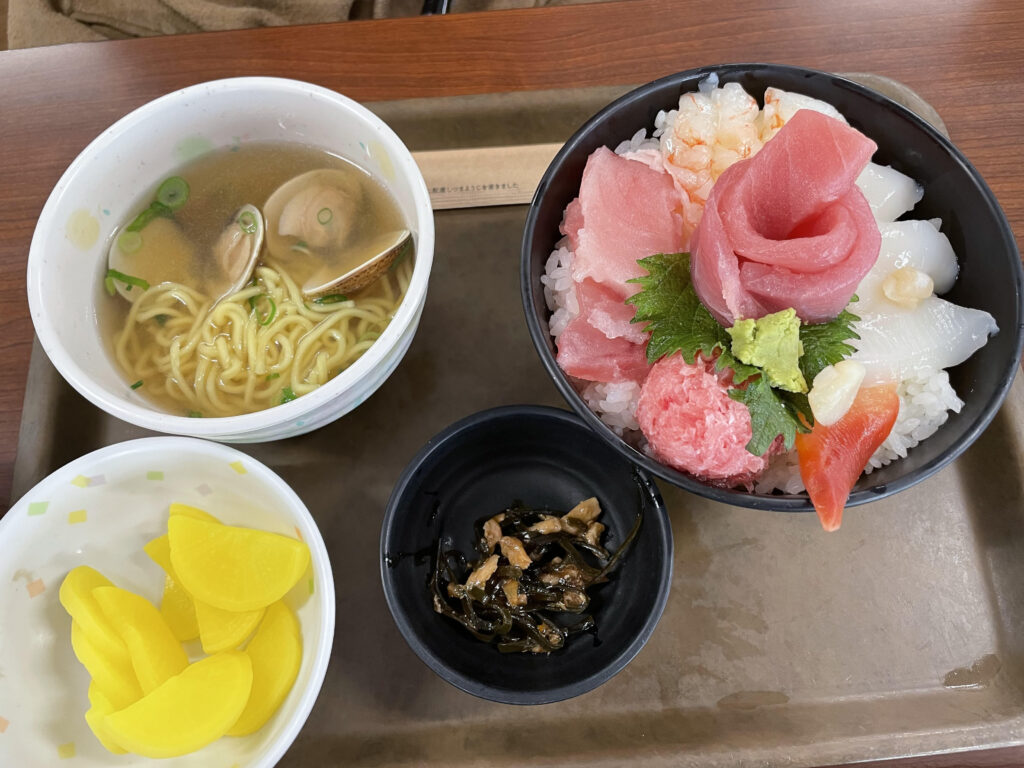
[710, 131]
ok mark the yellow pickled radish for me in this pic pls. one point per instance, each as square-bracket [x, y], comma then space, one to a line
[236, 569]
[276, 653]
[159, 551]
[188, 711]
[221, 630]
[113, 675]
[77, 598]
[96, 719]
[176, 605]
[179, 611]
[155, 653]
[194, 512]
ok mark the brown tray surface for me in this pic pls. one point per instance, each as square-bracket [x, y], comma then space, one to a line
[898, 635]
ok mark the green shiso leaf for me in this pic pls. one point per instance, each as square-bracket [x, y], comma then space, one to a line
[825, 343]
[667, 303]
[772, 413]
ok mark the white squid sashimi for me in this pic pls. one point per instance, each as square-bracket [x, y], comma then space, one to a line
[780, 106]
[889, 192]
[936, 334]
[915, 244]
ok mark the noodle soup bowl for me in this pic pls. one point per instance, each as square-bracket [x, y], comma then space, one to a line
[106, 185]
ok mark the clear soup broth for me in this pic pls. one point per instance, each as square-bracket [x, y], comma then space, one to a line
[198, 331]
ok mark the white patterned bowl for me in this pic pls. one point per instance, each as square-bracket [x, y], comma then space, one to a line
[100, 510]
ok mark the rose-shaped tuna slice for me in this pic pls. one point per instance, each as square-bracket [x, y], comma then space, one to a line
[788, 227]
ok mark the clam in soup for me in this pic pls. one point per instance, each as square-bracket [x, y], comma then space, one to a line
[252, 276]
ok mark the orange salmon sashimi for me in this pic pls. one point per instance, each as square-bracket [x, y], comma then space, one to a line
[832, 458]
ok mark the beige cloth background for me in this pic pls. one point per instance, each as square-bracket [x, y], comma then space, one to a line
[33, 23]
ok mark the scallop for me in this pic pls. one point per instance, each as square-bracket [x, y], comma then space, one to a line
[917, 244]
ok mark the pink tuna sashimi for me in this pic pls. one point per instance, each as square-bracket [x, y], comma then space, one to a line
[572, 223]
[629, 212]
[788, 227]
[692, 424]
[587, 353]
[604, 309]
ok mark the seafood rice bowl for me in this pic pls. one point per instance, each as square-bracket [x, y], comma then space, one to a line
[754, 292]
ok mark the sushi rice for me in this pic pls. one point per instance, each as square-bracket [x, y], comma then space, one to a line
[926, 397]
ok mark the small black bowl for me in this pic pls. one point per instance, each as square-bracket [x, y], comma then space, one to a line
[990, 269]
[478, 467]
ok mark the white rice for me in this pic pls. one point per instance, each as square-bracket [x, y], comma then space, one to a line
[559, 293]
[615, 403]
[925, 403]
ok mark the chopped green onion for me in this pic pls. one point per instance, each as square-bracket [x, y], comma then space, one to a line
[108, 282]
[173, 192]
[195, 415]
[287, 395]
[129, 241]
[324, 216]
[272, 314]
[272, 376]
[273, 307]
[129, 280]
[137, 384]
[156, 210]
[331, 298]
[302, 244]
[247, 221]
[161, 320]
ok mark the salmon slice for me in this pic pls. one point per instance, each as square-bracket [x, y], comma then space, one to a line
[832, 458]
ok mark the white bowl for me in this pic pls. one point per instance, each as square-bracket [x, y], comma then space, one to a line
[100, 510]
[99, 190]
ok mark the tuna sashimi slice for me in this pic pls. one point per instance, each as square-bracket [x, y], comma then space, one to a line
[833, 458]
[692, 424]
[629, 211]
[572, 223]
[587, 353]
[604, 309]
[788, 227]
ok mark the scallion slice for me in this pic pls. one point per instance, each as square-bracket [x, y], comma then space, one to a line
[129, 280]
[331, 298]
[247, 221]
[129, 241]
[324, 216]
[272, 376]
[195, 415]
[173, 192]
[270, 315]
[273, 308]
[137, 384]
[287, 395]
[156, 210]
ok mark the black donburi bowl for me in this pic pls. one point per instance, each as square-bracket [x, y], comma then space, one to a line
[990, 269]
[543, 457]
